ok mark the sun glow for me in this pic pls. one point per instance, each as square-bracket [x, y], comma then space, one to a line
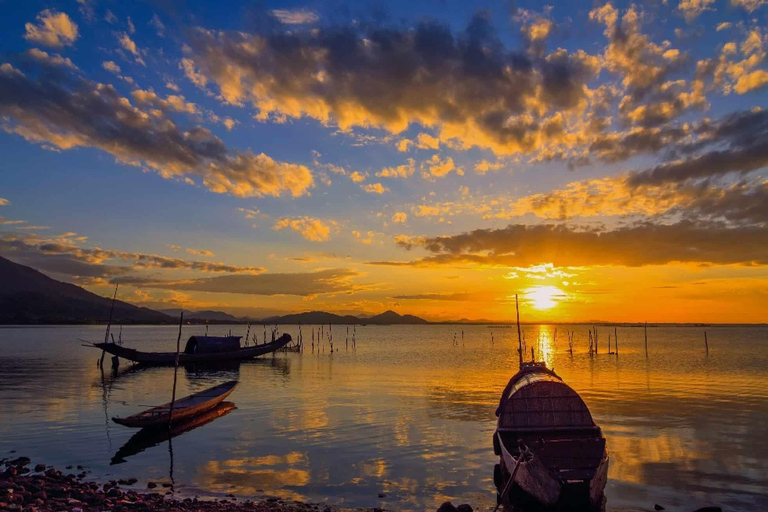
[544, 297]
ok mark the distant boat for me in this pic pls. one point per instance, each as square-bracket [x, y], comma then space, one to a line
[183, 408]
[198, 350]
[552, 452]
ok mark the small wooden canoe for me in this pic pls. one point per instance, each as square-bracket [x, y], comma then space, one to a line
[183, 408]
[148, 437]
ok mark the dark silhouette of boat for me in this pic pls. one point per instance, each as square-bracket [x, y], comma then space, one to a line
[183, 408]
[152, 436]
[552, 454]
[198, 350]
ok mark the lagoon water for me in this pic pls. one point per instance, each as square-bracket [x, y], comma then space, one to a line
[406, 413]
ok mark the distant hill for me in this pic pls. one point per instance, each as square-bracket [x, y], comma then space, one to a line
[321, 317]
[204, 316]
[390, 317]
[30, 297]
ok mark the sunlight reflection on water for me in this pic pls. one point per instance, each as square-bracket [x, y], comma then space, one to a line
[407, 413]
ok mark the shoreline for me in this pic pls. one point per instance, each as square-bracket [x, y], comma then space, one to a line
[41, 488]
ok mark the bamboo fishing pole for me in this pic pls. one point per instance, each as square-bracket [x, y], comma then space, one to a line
[519, 337]
[175, 371]
[109, 324]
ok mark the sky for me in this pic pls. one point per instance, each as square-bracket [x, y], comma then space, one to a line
[603, 161]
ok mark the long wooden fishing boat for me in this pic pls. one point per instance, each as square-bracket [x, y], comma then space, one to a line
[552, 452]
[199, 350]
[183, 408]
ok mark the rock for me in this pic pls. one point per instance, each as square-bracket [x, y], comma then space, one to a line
[382, 495]
[464, 507]
[447, 507]
[40, 467]
[709, 509]
[658, 507]
[151, 485]
[166, 484]
[20, 461]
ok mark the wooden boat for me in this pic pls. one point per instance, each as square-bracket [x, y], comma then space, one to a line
[183, 408]
[199, 350]
[152, 436]
[552, 452]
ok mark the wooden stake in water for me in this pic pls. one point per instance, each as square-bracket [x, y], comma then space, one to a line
[519, 337]
[616, 339]
[646, 339]
[706, 343]
[175, 371]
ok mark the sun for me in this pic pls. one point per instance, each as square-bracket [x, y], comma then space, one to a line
[544, 297]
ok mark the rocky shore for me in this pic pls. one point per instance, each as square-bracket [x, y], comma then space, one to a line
[40, 488]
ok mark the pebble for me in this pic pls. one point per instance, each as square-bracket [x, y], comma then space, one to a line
[447, 507]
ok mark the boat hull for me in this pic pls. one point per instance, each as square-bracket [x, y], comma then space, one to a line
[548, 444]
[539, 484]
[169, 358]
[183, 409]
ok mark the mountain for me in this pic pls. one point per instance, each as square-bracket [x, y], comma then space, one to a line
[321, 317]
[205, 316]
[312, 317]
[30, 297]
[390, 317]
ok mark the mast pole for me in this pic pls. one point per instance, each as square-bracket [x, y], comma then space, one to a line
[175, 371]
[519, 337]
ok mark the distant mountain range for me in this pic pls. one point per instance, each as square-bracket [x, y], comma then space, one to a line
[321, 317]
[30, 297]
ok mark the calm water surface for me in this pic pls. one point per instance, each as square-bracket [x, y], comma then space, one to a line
[406, 413]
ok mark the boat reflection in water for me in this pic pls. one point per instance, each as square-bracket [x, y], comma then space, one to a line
[152, 436]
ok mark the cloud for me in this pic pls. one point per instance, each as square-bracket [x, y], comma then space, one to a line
[426, 141]
[749, 5]
[129, 45]
[737, 143]
[374, 188]
[61, 255]
[691, 9]
[50, 59]
[400, 171]
[159, 27]
[312, 229]
[53, 28]
[304, 284]
[399, 217]
[71, 112]
[110, 66]
[200, 252]
[438, 296]
[438, 168]
[4, 201]
[295, 16]
[172, 102]
[363, 238]
[483, 166]
[563, 246]
[472, 89]
[357, 177]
